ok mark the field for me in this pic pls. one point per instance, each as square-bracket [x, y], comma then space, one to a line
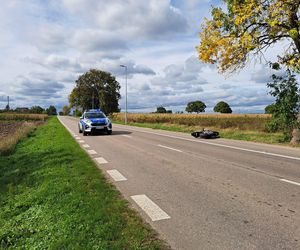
[14, 127]
[22, 117]
[221, 121]
[250, 127]
[52, 196]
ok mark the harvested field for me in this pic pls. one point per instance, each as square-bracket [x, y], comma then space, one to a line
[22, 117]
[12, 131]
[219, 121]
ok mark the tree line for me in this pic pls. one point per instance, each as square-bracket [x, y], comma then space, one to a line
[51, 110]
[199, 107]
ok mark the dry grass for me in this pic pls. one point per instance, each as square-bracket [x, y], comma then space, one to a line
[15, 134]
[251, 122]
[22, 117]
[14, 127]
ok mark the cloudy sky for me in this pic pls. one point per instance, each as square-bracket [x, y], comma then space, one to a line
[46, 44]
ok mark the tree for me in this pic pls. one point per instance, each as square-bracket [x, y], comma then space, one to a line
[161, 109]
[96, 89]
[248, 27]
[66, 110]
[222, 107]
[196, 106]
[270, 109]
[51, 110]
[287, 104]
[36, 110]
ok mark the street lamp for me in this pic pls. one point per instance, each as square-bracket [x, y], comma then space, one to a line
[124, 66]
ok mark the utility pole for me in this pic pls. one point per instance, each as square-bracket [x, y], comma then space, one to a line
[93, 100]
[124, 66]
[7, 106]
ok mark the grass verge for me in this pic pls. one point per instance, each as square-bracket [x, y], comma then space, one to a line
[53, 196]
[229, 133]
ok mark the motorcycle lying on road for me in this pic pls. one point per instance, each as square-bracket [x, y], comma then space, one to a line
[206, 134]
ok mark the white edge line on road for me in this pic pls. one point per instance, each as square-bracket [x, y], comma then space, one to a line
[85, 145]
[101, 160]
[81, 141]
[116, 175]
[220, 145]
[152, 210]
[292, 182]
[91, 152]
[129, 136]
[174, 149]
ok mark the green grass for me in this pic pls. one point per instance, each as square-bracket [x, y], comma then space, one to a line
[236, 134]
[53, 196]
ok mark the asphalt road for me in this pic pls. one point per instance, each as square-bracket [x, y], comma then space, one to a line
[203, 194]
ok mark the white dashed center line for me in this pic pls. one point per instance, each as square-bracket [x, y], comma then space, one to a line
[101, 160]
[92, 152]
[292, 182]
[174, 149]
[116, 175]
[151, 209]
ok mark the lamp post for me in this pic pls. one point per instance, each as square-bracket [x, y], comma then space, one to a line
[124, 66]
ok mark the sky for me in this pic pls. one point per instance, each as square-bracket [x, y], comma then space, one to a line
[45, 45]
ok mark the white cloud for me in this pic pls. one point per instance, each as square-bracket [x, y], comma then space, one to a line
[46, 45]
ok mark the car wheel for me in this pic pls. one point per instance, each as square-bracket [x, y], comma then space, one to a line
[80, 131]
[84, 133]
[109, 132]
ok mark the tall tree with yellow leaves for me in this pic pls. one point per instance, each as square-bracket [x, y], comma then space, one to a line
[247, 28]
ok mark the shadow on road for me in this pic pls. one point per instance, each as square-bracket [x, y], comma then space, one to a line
[113, 133]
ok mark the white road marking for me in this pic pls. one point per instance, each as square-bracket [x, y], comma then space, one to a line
[292, 182]
[129, 136]
[101, 160]
[220, 145]
[151, 209]
[116, 175]
[81, 141]
[92, 152]
[174, 149]
[78, 138]
[85, 145]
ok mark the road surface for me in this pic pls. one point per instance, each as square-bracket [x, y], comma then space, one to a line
[203, 194]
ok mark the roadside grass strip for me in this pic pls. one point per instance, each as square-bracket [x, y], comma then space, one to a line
[151, 209]
[52, 196]
[116, 175]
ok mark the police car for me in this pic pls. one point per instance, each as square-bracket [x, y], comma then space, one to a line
[94, 120]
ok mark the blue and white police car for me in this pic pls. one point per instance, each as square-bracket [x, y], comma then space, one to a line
[94, 120]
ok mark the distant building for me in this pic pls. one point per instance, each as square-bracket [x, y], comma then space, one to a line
[22, 110]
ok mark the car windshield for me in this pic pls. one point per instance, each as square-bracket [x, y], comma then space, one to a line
[94, 115]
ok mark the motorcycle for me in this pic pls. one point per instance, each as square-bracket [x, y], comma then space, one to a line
[206, 134]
